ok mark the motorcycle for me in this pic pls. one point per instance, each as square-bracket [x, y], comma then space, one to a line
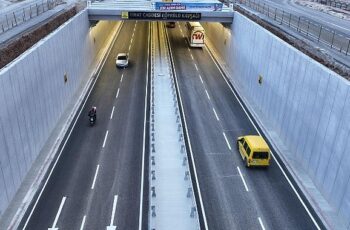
[92, 120]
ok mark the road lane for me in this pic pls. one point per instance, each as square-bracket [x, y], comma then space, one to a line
[233, 199]
[117, 153]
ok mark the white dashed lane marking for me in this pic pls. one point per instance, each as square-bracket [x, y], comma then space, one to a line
[104, 141]
[227, 142]
[245, 185]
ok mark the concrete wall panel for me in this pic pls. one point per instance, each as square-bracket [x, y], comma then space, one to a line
[3, 195]
[24, 89]
[298, 101]
[323, 111]
[345, 206]
[327, 171]
[303, 102]
[23, 145]
[9, 129]
[310, 87]
[287, 96]
[271, 83]
[341, 154]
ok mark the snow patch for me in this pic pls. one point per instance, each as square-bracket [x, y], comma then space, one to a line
[339, 13]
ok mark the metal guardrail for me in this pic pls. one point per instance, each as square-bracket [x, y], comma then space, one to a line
[15, 18]
[302, 25]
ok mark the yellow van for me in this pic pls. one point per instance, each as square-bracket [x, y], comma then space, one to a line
[254, 150]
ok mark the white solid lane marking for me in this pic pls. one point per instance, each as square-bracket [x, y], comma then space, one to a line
[261, 223]
[195, 65]
[227, 142]
[207, 94]
[112, 113]
[58, 212]
[129, 47]
[104, 141]
[216, 115]
[83, 223]
[116, 96]
[132, 39]
[188, 49]
[95, 177]
[144, 140]
[114, 208]
[192, 57]
[121, 79]
[245, 185]
[200, 77]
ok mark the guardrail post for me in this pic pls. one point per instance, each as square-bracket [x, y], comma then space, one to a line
[333, 38]
[282, 17]
[24, 15]
[30, 11]
[263, 9]
[7, 21]
[319, 35]
[290, 18]
[307, 30]
[37, 9]
[347, 50]
[14, 16]
[2, 26]
[275, 14]
[298, 24]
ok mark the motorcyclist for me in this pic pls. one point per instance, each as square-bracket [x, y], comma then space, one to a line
[92, 112]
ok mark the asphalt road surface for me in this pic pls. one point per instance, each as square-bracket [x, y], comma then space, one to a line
[97, 180]
[234, 197]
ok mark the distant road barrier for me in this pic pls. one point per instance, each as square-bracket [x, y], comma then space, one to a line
[302, 25]
[337, 4]
[15, 18]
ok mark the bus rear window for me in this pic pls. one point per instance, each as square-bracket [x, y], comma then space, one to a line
[261, 155]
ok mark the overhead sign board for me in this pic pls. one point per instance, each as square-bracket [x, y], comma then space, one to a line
[196, 6]
[165, 16]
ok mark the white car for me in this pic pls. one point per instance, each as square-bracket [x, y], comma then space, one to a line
[122, 60]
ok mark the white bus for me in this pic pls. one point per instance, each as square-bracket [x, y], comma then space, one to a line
[195, 34]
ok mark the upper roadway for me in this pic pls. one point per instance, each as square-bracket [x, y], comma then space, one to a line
[97, 181]
[322, 18]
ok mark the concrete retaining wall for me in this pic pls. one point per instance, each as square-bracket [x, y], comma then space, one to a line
[34, 93]
[306, 105]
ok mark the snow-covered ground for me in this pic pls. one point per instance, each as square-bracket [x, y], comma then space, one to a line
[4, 3]
[343, 14]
